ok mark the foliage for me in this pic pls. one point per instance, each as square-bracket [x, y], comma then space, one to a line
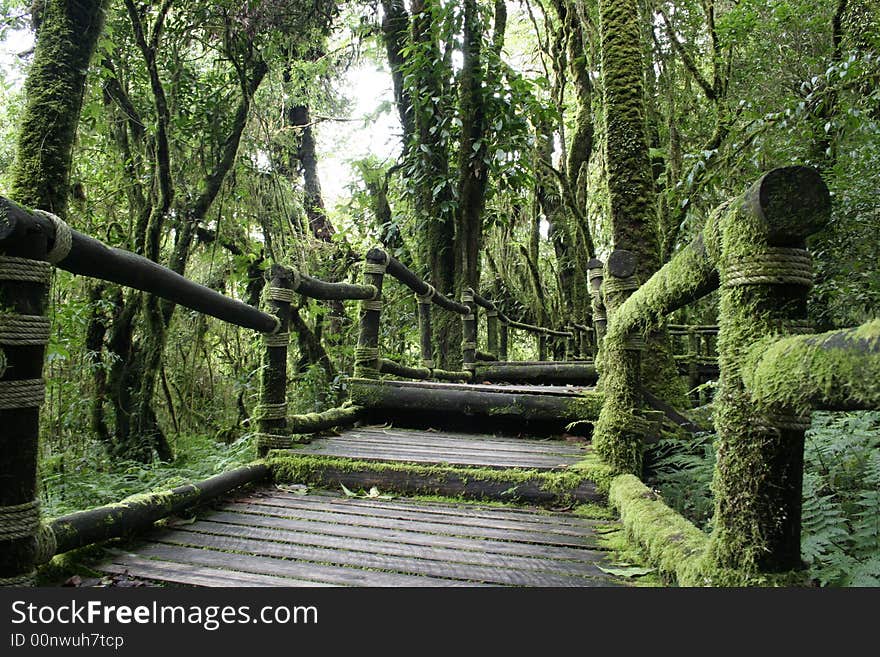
[94, 478]
[841, 493]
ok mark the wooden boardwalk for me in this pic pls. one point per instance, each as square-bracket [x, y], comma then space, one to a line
[277, 538]
[446, 447]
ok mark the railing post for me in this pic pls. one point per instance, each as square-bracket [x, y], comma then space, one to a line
[426, 337]
[503, 336]
[572, 342]
[24, 332]
[542, 347]
[766, 274]
[492, 332]
[366, 359]
[693, 340]
[271, 413]
[596, 273]
[619, 433]
[469, 333]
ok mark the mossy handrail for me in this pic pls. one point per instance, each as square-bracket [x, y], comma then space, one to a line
[753, 250]
[31, 243]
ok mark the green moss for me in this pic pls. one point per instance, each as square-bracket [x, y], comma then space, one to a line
[759, 469]
[594, 469]
[671, 543]
[287, 467]
[67, 37]
[839, 369]
[593, 511]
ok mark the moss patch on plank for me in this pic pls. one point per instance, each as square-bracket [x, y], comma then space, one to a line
[552, 487]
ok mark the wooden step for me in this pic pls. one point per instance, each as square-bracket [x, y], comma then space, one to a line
[554, 405]
[441, 463]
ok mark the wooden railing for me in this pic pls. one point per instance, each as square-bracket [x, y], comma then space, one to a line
[32, 242]
[753, 249]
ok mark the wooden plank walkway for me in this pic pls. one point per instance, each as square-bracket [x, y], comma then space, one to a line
[277, 538]
[445, 447]
[551, 390]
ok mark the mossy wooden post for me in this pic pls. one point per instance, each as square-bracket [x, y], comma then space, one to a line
[620, 432]
[693, 352]
[503, 336]
[24, 331]
[766, 275]
[426, 338]
[271, 413]
[542, 346]
[366, 360]
[492, 332]
[469, 333]
[572, 342]
[595, 273]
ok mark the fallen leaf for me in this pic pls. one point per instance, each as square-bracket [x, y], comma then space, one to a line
[627, 571]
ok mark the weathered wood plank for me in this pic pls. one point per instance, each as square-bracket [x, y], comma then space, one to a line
[523, 515]
[441, 554]
[394, 564]
[436, 439]
[551, 390]
[465, 401]
[450, 483]
[189, 574]
[446, 528]
[273, 566]
[586, 529]
[408, 536]
[419, 455]
[448, 449]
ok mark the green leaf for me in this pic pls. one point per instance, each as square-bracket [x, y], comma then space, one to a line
[627, 571]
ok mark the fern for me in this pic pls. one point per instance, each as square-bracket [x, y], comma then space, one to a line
[841, 493]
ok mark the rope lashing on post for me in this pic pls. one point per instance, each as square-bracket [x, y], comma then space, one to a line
[600, 315]
[24, 330]
[19, 520]
[427, 296]
[27, 393]
[775, 266]
[612, 285]
[375, 267]
[276, 339]
[25, 270]
[467, 296]
[775, 422]
[63, 237]
[282, 294]
[635, 342]
[372, 304]
[47, 544]
[366, 354]
[375, 294]
[468, 318]
[271, 411]
[273, 441]
[468, 345]
[491, 313]
[3, 362]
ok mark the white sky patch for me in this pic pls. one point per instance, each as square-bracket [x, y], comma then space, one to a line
[341, 142]
[11, 66]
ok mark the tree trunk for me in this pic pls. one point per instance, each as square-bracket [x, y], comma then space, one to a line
[66, 39]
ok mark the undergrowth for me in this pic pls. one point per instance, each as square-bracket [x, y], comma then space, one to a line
[95, 478]
[841, 514]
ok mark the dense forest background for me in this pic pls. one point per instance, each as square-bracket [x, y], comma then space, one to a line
[210, 130]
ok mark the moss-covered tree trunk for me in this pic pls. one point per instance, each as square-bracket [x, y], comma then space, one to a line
[473, 172]
[634, 229]
[66, 38]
